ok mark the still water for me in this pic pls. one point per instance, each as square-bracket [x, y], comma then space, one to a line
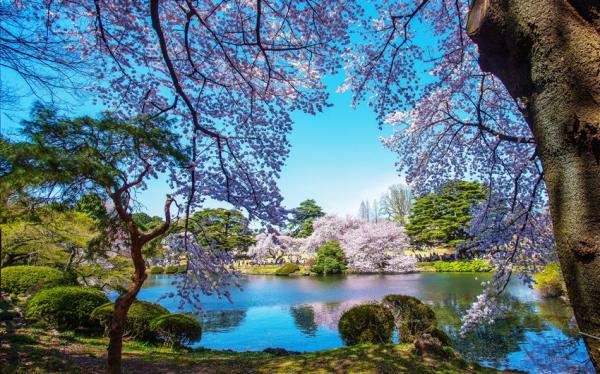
[301, 314]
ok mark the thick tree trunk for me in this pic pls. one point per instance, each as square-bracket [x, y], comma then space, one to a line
[117, 326]
[547, 53]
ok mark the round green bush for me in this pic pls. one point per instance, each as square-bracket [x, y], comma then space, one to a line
[369, 323]
[157, 270]
[330, 259]
[139, 317]
[287, 269]
[28, 279]
[411, 316]
[174, 269]
[176, 329]
[65, 307]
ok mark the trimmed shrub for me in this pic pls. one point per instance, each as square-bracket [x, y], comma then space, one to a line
[176, 329]
[330, 259]
[65, 307]
[549, 282]
[368, 323]
[460, 266]
[411, 316]
[173, 269]
[287, 269]
[28, 279]
[157, 270]
[139, 317]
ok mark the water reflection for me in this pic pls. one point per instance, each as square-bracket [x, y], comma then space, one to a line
[222, 320]
[302, 314]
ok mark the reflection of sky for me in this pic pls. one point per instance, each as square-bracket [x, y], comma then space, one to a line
[301, 314]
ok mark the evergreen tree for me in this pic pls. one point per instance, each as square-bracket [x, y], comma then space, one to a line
[443, 217]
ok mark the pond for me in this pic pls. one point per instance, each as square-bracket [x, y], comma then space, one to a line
[301, 314]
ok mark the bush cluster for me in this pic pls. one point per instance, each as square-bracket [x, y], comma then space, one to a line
[28, 279]
[139, 316]
[157, 270]
[287, 269]
[172, 269]
[549, 282]
[368, 323]
[66, 307]
[374, 323]
[477, 265]
[330, 259]
[152, 323]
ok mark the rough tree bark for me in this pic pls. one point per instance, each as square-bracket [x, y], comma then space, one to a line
[124, 301]
[547, 53]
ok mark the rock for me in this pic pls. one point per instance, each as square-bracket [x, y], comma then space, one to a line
[280, 352]
[427, 345]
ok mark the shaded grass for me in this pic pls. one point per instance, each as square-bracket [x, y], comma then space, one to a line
[70, 353]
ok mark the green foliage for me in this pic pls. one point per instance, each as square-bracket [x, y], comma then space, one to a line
[92, 205]
[330, 259]
[24, 279]
[549, 282]
[443, 217]
[224, 229]
[176, 329]
[411, 316]
[477, 265]
[139, 317]
[303, 216]
[157, 270]
[442, 336]
[172, 269]
[146, 222]
[287, 269]
[65, 307]
[368, 323]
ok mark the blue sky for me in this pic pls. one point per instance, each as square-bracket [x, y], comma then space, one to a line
[336, 156]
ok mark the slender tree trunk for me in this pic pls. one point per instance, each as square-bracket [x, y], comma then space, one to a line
[117, 326]
[547, 53]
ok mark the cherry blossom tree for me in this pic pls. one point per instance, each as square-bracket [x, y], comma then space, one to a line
[228, 73]
[520, 114]
[377, 247]
[274, 246]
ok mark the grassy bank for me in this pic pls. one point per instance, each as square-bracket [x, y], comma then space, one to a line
[265, 269]
[39, 351]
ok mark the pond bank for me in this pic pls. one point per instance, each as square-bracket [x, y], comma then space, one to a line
[41, 351]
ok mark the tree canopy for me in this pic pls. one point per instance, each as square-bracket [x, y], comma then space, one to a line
[303, 217]
[443, 217]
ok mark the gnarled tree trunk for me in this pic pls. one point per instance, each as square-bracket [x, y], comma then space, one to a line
[547, 53]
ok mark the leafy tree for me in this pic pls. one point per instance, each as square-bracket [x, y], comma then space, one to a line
[303, 216]
[223, 229]
[104, 156]
[330, 259]
[443, 217]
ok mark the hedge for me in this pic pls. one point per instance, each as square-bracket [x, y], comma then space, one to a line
[368, 323]
[477, 265]
[66, 307]
[28, 279]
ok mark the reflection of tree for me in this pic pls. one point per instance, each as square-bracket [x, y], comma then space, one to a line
[328, 314]
[557, 313]
[559, 354]
[222, 320]
[489, 343]
[304, 318]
